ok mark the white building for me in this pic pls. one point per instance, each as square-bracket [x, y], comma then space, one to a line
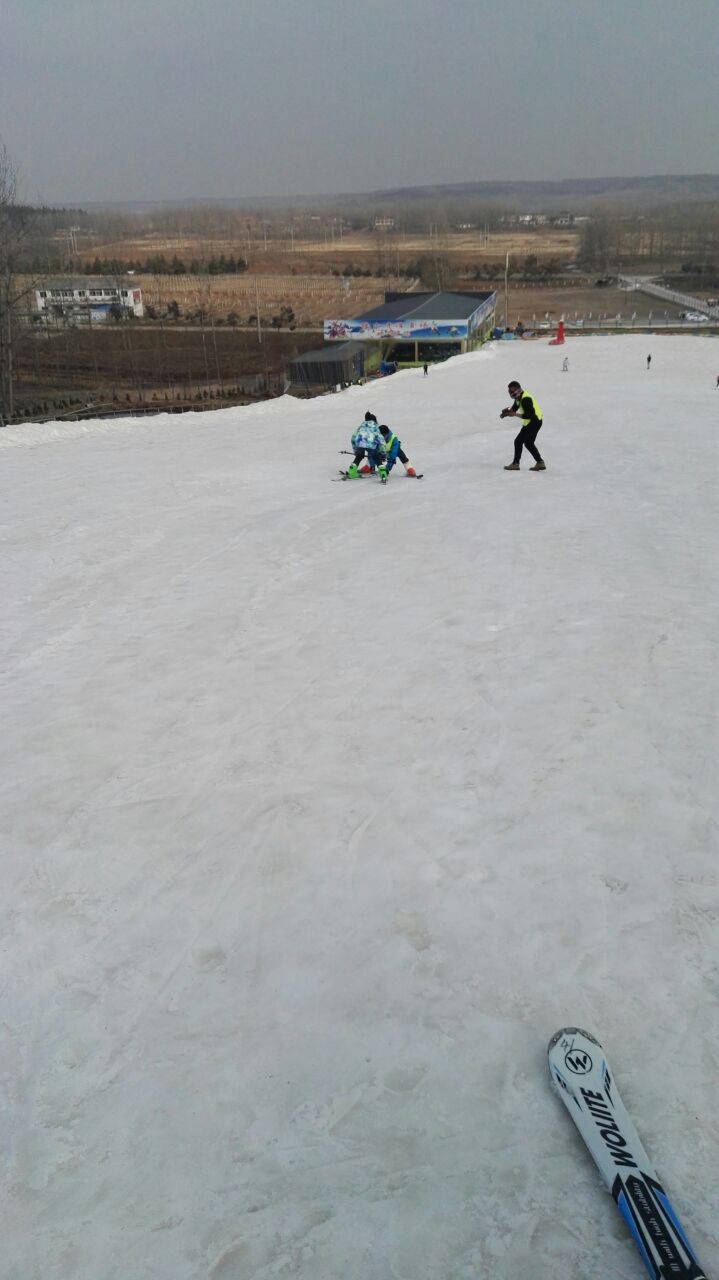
[87, 298]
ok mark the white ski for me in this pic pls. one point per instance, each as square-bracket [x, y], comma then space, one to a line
[580, 1074]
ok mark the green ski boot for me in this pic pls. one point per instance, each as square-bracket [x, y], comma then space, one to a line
[352, 472]
[382, 472]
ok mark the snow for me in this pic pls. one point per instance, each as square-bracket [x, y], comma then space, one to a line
[325, 805]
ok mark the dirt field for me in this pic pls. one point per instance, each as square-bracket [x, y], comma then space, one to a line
[134, 362]
[327, 251]
[470, 244]
[318, 298]
[313, 298]
[531, 304]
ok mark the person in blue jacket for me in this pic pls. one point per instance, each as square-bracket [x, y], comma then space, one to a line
[394, 449]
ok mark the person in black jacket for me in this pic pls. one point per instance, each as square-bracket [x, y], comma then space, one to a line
[525, 407]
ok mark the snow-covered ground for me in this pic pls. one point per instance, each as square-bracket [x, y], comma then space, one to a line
[324, 805]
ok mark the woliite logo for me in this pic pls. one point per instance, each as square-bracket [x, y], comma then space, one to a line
[578, 1062]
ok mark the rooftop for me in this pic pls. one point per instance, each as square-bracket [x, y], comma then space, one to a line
[87, 282]
[428, 306]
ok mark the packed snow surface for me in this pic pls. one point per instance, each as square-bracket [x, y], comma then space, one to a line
[325, 805]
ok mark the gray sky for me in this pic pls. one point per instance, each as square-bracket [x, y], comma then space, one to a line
[171, 99]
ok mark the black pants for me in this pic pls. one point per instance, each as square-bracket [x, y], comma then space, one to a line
[526, 439]
[373, 456]
[360, 453]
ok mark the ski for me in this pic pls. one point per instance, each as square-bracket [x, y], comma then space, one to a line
[364, 475]
[581, 1076]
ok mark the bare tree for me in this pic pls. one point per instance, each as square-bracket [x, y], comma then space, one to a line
[14, 228]
[8, 194]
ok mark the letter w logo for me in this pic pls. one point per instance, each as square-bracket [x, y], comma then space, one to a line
[578, 1061]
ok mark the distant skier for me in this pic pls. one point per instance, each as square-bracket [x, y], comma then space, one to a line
[526, 408]
[649, 362]
[368, 442]
[425, 369]
[565, 365]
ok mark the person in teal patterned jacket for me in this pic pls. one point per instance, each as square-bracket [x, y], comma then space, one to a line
[367, 442]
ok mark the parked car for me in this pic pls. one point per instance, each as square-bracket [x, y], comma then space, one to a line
[695, 316]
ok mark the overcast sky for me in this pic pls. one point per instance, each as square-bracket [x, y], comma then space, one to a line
[170, 99]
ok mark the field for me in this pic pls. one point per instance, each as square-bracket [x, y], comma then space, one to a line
[316, 298]
[134, 363]
[329, 250]
[313, 298]
[532, 303]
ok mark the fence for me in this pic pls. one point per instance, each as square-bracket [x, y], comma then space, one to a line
[644, 284]
[622, 324]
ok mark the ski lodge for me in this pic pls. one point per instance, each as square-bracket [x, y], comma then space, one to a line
[407, 329]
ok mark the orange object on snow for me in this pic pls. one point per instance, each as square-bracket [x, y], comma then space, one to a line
[558, 339]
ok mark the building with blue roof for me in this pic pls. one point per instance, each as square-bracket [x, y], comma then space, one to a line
[414, 328]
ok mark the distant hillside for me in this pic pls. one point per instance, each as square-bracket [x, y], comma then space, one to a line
[569, 192]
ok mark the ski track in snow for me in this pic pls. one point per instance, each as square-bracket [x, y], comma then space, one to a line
[323, 807]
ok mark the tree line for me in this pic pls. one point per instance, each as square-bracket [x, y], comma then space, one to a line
[156, 264]
[684, 238]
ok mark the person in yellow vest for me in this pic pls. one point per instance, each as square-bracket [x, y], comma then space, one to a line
[525, 407]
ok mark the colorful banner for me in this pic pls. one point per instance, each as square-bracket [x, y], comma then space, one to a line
[412, 330]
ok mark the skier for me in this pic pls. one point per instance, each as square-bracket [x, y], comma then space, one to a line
[367, 442]
[426, 370]
[526, 408]
[649, 362]
[565, 365]
[393, 445]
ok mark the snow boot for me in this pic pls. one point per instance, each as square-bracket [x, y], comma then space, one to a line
[513, 466]
[365, 469]
[409, 469]
[353, 471]
[538, 466]
[382, 472]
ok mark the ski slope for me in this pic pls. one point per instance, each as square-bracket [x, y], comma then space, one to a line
[325, 805]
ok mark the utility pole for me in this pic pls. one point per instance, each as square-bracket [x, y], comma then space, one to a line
[506, 292]
[257, 308]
